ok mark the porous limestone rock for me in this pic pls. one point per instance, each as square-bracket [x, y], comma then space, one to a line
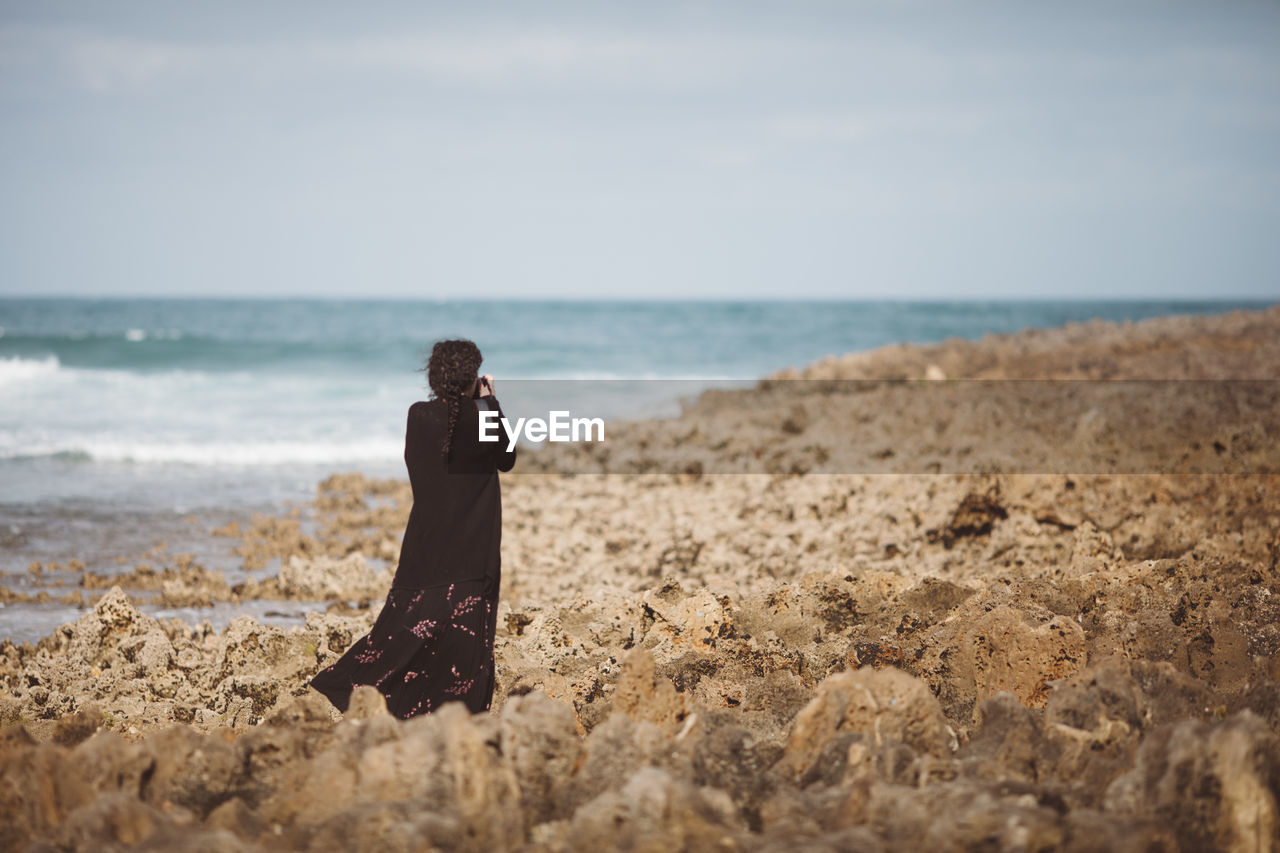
[882, 704]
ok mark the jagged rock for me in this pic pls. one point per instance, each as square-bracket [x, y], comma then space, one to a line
[696, 621]
[112, 616]
[447, 759]
[322, 578]
[962, 816]
[245, 699]
[155, 656]
[74, 728]
[1008, 742]
[1215, 784]
[976, 515]
[311, 710]
[730, 758]
[39, 787]
[655, 811]
[366, 704]
[1095, 720]
[247, 646]
[336, 633]
[852, 757]
[1010, 655]
[116, 820]
[883, 704]
[1263, 699]
[236, 817]
[109, 763]
[612, 752]
[1089, 830]
[395, 826]
[10, 711]
[192, 771]
[540, 740]
[642, 695]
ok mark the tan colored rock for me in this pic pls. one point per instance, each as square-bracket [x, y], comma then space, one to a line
[962, 816]
[236, 817]
[367, 702]
[246, 646]
[611, 753]
[655, 811]
[117, 820]
[74, 728]
[1010, 655]
[113, 615]
[1215, 783]
[642, 695]
[484, 787]
[39, 788]
[192, 771]
[322, 578]
[539, 738]
[694, 621]
[151, 653]
[1007, 742]
[245, 700]
[883, 704]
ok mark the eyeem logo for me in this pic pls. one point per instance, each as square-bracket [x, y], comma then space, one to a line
[558, 427]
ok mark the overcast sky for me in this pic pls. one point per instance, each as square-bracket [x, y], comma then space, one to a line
[581, 149]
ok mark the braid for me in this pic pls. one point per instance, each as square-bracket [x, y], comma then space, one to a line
[451, 372]
[454, 406]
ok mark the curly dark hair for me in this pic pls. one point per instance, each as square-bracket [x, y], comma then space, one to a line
[451, 373]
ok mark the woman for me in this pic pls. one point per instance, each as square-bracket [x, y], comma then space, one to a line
[433, 641]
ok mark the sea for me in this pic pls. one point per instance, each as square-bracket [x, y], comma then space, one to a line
[128, 425]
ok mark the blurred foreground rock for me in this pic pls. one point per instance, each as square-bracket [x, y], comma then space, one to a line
[867, 765]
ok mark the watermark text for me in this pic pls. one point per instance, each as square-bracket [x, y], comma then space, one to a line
[558, 426]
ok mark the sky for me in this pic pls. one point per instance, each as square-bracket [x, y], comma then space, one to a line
[594, 149]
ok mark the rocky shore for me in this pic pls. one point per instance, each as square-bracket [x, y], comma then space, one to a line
[1014, 646]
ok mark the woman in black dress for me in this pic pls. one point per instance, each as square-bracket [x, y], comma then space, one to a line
[433, 641]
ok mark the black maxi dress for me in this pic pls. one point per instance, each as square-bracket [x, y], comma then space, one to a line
[433, 641]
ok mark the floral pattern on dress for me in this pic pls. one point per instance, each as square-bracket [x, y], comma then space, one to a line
[427, 646]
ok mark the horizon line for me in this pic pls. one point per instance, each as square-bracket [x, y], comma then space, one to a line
[196, 297]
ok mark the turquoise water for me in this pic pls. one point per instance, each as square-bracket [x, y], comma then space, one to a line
[179, 387]
[385, 340]
[120, 418]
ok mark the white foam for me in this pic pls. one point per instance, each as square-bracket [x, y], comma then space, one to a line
[194, 418]
[138, 335]
[249, 454]
[14, 369]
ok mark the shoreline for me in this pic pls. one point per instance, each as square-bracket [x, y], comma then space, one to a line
[1051, 635]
